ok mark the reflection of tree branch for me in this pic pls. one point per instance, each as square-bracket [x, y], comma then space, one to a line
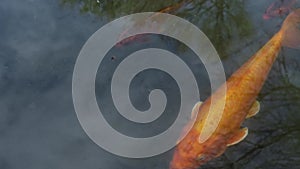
[286, 90]
[275, 89]
[263, 144]
[219, 19]
[276, 107]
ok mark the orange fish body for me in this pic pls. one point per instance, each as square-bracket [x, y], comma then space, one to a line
[202, 143]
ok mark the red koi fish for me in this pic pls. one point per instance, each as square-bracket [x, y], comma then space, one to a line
[140, 37]
[135, 38]
[279, 8]
[174, 7]
[201, 144]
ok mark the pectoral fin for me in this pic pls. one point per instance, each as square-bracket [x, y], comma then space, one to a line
[190, 124]
[195, 110]
[238, 137]
[254, 109]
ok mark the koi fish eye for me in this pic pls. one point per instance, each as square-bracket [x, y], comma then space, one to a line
[201, 157]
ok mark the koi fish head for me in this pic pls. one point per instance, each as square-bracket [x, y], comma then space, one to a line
[190, 154]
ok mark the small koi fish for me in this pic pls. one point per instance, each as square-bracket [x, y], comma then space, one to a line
[141, 38]
[279, 8]
[201, 144]
[174, 7]
[135, 38]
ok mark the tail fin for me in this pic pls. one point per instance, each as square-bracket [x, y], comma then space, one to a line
[291, 30]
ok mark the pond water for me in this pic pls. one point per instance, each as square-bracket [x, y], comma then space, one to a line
[41, 40]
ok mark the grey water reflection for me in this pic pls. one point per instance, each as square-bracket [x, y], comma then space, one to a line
[40, 41]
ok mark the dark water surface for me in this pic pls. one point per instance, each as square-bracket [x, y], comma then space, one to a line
[41, 39]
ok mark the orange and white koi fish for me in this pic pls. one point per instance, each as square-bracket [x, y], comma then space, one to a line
[240, 102]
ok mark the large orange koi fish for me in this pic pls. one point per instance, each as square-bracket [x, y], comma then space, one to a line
[201, 144]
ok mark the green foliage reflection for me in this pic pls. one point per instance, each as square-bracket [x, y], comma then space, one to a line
[223, 21]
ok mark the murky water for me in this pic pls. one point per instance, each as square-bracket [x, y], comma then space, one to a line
[40, 41]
